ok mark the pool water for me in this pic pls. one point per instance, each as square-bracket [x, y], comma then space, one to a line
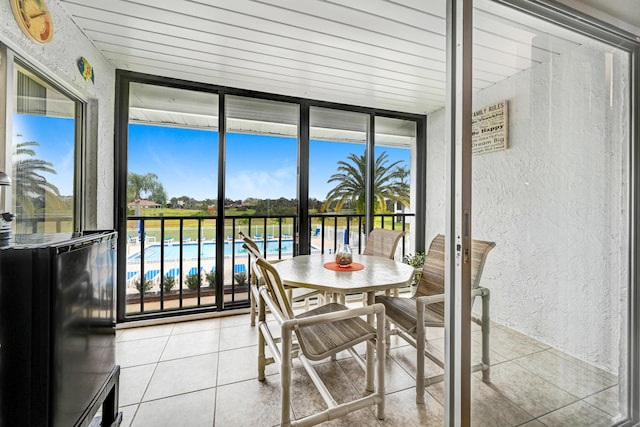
[205, 250]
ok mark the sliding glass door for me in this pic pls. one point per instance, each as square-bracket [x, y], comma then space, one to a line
[261, 158]
[544, 177]
[551, 161]
[172, 176]
[337, 176]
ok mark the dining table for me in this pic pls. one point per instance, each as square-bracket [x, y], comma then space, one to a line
[370, 275]
[367, 274]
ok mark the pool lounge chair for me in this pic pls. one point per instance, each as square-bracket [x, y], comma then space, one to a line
[194, 270]
[131, 277]
[239, 268]
[146, 238]
[152, 276]
[174, 272]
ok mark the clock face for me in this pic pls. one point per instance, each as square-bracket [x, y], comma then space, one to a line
[34, 19]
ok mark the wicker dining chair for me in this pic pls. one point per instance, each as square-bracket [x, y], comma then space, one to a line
[425, 308]
[383, 242]
[315, 335]
[295, 294]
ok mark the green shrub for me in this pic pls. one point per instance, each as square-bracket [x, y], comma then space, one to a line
[168, 283]
[193, 281]
[211, 279]
[241, 278]
[415, 261]
[147, 286]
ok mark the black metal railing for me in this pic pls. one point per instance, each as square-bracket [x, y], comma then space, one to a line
[331, 228]
[173, 262]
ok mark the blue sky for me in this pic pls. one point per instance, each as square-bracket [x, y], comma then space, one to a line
[186, 160]
[56, 138]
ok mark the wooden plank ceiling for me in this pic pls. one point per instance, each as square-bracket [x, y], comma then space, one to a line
[387, 54]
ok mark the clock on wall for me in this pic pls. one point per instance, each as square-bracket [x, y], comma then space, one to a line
[34, 19]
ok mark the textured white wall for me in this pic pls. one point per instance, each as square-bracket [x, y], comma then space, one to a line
[57, 60]
[555, 203]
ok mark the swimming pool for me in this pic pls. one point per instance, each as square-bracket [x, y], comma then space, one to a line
[191, 250]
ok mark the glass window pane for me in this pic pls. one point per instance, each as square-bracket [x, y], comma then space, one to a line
[44, 156]
[550, 187]
[395, 178]
[261, 183]
[337, 177]
[171, 197]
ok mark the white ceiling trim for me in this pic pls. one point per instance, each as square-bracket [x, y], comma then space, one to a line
[385, 54]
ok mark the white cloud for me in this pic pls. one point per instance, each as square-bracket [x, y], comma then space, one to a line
[262, 184]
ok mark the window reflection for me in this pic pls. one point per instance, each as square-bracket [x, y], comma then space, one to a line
[44, 147]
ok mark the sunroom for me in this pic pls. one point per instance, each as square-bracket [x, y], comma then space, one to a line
[181, 124]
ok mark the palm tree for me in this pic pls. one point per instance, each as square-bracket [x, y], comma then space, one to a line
[351, 184]
[148, 184]
[31, 185]
[139, 185]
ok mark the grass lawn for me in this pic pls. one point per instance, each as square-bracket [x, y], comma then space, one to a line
[190, 226]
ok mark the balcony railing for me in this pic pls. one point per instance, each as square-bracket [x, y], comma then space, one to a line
[330, 228]
[62, 223]
[172, 262]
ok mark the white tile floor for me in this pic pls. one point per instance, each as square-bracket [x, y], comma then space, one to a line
[204, 373]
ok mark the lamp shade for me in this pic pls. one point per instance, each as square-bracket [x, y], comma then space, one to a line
[4, 179]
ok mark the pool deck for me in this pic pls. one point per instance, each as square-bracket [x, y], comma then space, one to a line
[206, 263]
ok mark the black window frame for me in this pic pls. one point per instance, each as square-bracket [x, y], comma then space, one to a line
[123, 80]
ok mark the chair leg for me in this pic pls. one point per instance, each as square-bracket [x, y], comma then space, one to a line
[369, 355]
[261, 341]
[322, 298]
[380, 355]
[387, 335]
[285, 377]
[253, 312]
[420, 347]
[290, 296]
[253, 294]
[486, 326]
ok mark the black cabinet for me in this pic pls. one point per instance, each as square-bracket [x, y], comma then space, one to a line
[57, 329]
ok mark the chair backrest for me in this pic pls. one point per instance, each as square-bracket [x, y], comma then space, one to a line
[383, 242]
[254, 251]
[249, 241]
[275, 287]
[432, 279]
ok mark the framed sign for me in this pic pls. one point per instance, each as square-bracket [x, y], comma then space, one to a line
[489, 131]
